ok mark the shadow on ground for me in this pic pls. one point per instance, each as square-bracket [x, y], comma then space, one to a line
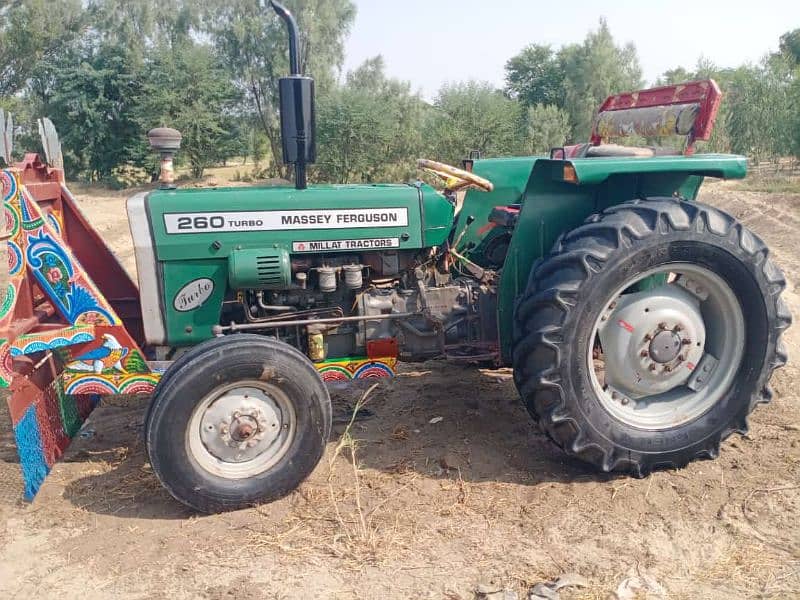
[484, 434]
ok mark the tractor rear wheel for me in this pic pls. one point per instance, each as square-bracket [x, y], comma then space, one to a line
[649, 334]
[237, 423]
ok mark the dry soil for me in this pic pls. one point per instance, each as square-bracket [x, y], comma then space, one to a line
[428, 510]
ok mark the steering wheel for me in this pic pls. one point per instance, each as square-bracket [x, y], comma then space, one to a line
[455, 179]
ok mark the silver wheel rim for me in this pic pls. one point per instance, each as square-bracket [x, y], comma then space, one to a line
[662, 357]
[241, 430]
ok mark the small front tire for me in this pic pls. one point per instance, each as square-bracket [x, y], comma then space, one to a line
[237, 423]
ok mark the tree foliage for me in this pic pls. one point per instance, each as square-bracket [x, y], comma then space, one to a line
[200, 102]
[473, 116]
[32, 31]
[575, 78]
[593, 71]
[253, 43]
[534, 76]
[106, 71]
[92, 102]
[760, 106]
[548, 127]
[760, 113]
[790, 46]
[369, 127]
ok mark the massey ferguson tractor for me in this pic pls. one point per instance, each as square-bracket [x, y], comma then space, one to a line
[642, 327]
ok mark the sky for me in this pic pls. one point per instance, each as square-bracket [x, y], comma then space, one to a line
[431, 42]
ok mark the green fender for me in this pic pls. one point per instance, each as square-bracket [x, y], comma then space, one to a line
[552, 202]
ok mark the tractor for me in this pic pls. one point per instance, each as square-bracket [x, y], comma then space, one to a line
[642, 326]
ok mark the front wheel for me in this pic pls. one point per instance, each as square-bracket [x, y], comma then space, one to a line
[649, 334]
[237, 421]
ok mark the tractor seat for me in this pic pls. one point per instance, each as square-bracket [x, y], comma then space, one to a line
[614, 150]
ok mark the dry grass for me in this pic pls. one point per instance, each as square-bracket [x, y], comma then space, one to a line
[771, 184]
[359, 527]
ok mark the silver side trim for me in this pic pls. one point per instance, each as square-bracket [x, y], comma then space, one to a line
[154, 329]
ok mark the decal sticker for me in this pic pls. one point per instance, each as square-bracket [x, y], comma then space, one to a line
[278, 220]
[345, 369]
[625, 325]
[368, 244]
[108, 356]
[193, 295]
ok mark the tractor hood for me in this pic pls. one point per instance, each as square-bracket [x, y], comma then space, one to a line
[211, 223]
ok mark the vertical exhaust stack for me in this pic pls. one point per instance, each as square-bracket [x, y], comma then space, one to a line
[296, 106]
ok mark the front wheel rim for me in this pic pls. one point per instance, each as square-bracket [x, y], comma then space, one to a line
[661, 358]
[241, 430]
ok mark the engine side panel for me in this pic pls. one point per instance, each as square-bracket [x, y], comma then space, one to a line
[210, 246]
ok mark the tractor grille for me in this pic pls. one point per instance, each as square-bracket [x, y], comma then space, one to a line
[259, 268]
[270, 272]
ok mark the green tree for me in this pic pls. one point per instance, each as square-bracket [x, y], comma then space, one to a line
[794, 117]
[548, 127]
[759, 108]
[534, 76]
[353, 130]
[473, 116]
[186, 87]
[141, 25]
[253, 43]
[790, 46]
[673, 76]
[32, 31]
[369, 128]
[593, 71]
[93, 99]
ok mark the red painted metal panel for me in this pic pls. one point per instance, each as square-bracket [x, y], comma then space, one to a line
[705, 93]
[45, 186]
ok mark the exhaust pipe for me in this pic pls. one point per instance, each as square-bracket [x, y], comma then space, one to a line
[297, 110]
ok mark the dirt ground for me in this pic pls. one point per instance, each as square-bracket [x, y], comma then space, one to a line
[430, 508]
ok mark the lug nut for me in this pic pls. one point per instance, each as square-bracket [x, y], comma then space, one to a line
[614, 395]
[625, 401]
[613, 305]
[662, 326]
[644, 354]
[652, 366]
[681, 358]
[647, 337]
[686, 342]
[668, 369]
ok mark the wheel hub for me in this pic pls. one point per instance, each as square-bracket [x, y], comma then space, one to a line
[243, 428]
[651, 341]
[665, 347]
[240, 425]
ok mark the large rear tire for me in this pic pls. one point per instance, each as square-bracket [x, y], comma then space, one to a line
[649, 334]
[237, 423]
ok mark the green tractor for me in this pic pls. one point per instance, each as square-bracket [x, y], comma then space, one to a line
[642, 326]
